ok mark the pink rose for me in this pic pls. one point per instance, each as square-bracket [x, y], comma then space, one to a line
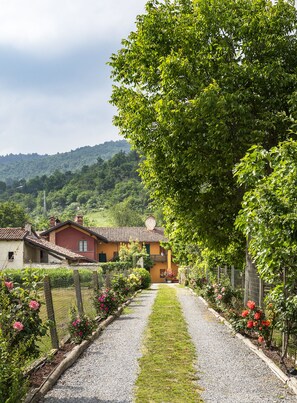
[18, 326]
[219, 296]
[223, 289]
[34, 305]
[9, 284]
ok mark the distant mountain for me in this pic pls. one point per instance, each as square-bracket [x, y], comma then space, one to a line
[27, 166]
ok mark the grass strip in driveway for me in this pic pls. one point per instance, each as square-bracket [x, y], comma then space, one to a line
[167, 372]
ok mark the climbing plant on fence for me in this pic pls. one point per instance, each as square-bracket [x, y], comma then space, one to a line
[269, 219]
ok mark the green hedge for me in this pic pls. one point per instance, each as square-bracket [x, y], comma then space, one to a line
[63, 277]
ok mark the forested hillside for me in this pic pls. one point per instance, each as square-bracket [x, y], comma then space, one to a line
[26, 166]
[106, 185]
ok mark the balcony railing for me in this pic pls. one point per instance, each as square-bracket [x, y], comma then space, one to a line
[159, 258]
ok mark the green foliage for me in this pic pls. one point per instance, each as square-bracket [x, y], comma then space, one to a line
[133, 252]
[115, 266]
[121, 285]
[13, 385]
[12, 215]
[123, 215]
[269, 210]
[97, 187]
[29, 166]
[196, 85]
[144, 276]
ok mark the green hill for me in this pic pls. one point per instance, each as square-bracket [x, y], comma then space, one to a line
[14, 167]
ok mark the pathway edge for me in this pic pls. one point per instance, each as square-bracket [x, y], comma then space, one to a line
[290, 382]
[35, 395]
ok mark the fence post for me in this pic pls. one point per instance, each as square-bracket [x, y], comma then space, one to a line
[233, 276]
[95, 280]
[261, 292]
[219, 274]
[107, 280]
[79, 301]
[50, 311]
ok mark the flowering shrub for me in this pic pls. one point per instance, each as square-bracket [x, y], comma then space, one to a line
[19, 316]
[252, 321]
[80, 327]
[107, 302]
[144, 277]
[121, 286]
[134, 282]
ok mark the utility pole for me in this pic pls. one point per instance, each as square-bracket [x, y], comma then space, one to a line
[44, 204]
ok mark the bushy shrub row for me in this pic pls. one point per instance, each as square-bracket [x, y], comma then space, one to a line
[63, 277]
[249, 320]
[107, 300]
[20, 330]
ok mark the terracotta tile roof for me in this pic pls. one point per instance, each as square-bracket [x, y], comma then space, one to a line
[125, 234]
[58, 250]
[13, 234]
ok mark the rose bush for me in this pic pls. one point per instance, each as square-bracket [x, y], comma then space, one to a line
[106, 302]
[253, 322]
[80, 327]
[20, 321]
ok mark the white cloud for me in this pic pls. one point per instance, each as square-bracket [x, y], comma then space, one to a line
[49, 27]
[35, 122]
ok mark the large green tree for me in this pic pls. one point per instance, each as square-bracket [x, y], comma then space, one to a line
[196, 84]
[12, 215]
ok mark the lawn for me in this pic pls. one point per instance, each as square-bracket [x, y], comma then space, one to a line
[100, 218]
[63, 300]
[167, 372]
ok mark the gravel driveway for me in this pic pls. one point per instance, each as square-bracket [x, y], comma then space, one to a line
[228, 371]
[108, 369]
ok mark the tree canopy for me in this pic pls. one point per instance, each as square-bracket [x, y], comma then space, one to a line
[197, 84]
[269, 211]
[12, 215]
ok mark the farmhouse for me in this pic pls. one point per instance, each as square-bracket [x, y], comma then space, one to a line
[22, 246]
[102, 244]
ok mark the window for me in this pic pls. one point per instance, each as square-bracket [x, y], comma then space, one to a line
[102, 257]
[148, 248]
[162, 251]
[11, 256]
[83, 246]
[162, 273]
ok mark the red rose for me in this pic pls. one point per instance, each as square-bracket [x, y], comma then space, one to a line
[245, 313]
[250, 324]
[257, 315]
[251, 305]
[260, 339]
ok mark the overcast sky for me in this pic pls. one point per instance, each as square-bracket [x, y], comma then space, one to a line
[54, 82]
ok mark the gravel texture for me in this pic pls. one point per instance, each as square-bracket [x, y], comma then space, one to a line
[108, 369]
[228, 371]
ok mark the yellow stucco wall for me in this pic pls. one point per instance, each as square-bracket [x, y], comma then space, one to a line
[156, 271]
[111, 248]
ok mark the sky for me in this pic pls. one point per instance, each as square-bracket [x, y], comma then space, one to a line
[55, 85]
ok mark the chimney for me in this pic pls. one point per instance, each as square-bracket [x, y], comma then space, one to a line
[52, 221]
[79, 219]
[28, 228]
